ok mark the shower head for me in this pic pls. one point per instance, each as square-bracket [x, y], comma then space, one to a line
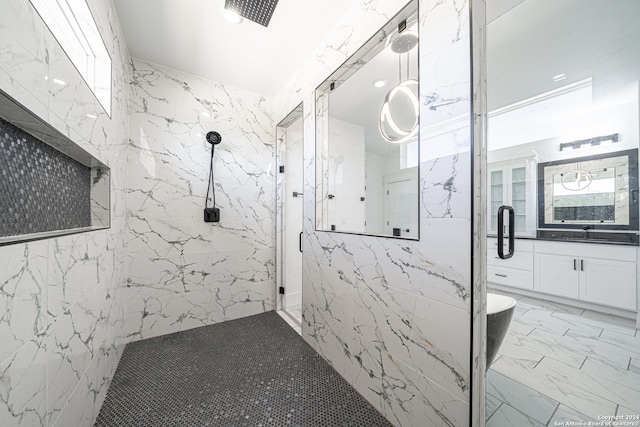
[404, 42]
[258, 11]
[214, 138]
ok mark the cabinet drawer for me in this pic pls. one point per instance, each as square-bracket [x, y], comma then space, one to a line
[510, 277]
[519, 260]
[522, 245]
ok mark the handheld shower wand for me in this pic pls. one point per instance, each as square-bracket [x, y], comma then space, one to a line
[212, 214]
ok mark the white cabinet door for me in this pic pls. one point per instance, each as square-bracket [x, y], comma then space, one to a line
[556, 275]
[608, 282]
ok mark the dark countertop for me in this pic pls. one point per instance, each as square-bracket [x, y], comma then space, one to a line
[577, 236]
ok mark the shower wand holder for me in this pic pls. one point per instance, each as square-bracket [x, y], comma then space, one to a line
[211, 214]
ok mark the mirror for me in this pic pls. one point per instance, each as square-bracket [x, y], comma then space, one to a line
[367, 136]
[595, 191]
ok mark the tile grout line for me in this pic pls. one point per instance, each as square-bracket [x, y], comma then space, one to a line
[554, 412]
[496, 411]
[583, 362]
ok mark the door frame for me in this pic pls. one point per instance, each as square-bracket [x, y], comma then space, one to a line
[280, 149]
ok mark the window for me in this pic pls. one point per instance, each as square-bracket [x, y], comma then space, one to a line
[72, 24]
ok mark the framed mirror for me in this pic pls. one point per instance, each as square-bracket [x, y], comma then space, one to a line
[599, 192]
[367, 145]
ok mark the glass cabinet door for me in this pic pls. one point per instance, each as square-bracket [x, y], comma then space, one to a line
[496, 198]
[519, 198]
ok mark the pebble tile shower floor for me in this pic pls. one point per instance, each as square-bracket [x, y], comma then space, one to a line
[254, 371]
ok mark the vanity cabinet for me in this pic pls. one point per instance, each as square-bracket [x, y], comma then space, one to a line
[512, 184]
[516, 271]
[600, 274]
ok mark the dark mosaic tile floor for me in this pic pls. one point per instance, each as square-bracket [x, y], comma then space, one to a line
[255, 371]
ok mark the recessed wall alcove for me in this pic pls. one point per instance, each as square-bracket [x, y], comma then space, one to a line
[49, 185]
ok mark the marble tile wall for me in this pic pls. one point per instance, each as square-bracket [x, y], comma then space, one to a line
[185, 272]
[61, 301]
[394, 316]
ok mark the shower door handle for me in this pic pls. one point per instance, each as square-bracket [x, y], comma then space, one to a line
[501, 253]
[300, 242]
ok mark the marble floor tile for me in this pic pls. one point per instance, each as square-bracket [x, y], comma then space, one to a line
[492, 404]
[565, 413]
[627, 341]
[522, 328]
[548, 345]
[602, 321]
[528, 401]
[603, 388]
[626, 411]
[508, 416]
[573, 322]
[544, 320]
[610, 319]
[588, 362]
[555, 387]
[536, 303]
[616, 353]
[621, 376]
[578, 346]
[519, 352]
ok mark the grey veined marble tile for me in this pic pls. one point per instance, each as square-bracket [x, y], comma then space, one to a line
[506, 416]
[526, 400]
[492, 404]
[628, 325]
[539, 304]
[558, 387]
[626, 411]
[565, 413]
[621, 376]
[603, 389]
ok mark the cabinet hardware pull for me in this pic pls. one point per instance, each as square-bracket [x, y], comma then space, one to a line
[500, 275]
[574, 264]
[581, 265]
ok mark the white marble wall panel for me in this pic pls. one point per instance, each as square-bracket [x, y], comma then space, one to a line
[393, 316]
[184, 272]
[61, 299]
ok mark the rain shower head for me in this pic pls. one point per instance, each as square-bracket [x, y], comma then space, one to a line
[258, 11]
[404, 42]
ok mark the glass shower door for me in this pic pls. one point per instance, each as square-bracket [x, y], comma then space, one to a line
[293, 217]
[563, 102]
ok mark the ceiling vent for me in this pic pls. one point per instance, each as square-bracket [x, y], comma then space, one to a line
[258, 11]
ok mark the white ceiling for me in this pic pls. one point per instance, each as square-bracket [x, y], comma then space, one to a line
[193, 36]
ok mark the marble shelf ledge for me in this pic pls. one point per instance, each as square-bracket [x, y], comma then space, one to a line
[23, 238]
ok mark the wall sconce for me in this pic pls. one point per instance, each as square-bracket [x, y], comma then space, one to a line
[592, 141]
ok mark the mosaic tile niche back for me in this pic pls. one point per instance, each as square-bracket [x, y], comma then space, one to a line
[41, 189]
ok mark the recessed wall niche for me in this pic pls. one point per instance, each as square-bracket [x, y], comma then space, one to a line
[49, 186]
